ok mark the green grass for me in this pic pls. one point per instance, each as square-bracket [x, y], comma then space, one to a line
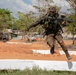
[35, 71]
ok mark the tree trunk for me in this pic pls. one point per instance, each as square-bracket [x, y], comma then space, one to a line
[73, 40]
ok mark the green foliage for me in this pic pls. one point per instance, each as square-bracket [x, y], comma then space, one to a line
[5, 19]
[71, 28]
[23, 21]
[35, 71]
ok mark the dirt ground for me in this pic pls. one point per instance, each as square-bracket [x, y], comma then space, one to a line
[24, 51]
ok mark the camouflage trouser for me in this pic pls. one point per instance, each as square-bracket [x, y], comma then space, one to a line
[51, 38]
[51, 42]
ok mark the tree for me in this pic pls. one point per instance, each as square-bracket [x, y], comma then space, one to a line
[43, 5]
[71, 28]
[23, 21]
[26, 20]
[5, 19]
[72, 3]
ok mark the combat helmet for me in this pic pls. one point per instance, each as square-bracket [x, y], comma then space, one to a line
[53, 11]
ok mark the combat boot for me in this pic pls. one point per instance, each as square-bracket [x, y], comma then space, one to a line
[68, 55]
[52, 50]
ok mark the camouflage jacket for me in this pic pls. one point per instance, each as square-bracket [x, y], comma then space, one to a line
[48, 23]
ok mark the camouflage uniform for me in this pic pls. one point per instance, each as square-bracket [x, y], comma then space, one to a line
[52, 31]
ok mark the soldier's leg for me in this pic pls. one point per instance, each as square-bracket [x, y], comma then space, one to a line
[62, 44]
[50, 41]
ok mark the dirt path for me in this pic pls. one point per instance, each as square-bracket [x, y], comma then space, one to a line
[24, 51]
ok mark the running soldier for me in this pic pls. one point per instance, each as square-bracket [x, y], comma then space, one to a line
[52, 23]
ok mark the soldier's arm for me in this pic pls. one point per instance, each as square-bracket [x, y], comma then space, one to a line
[40, 21]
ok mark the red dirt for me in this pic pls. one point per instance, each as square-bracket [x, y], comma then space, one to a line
[24, 51]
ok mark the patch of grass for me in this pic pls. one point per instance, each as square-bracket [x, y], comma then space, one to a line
[35, 71]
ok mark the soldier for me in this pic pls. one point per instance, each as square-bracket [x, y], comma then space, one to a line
[52, 25]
